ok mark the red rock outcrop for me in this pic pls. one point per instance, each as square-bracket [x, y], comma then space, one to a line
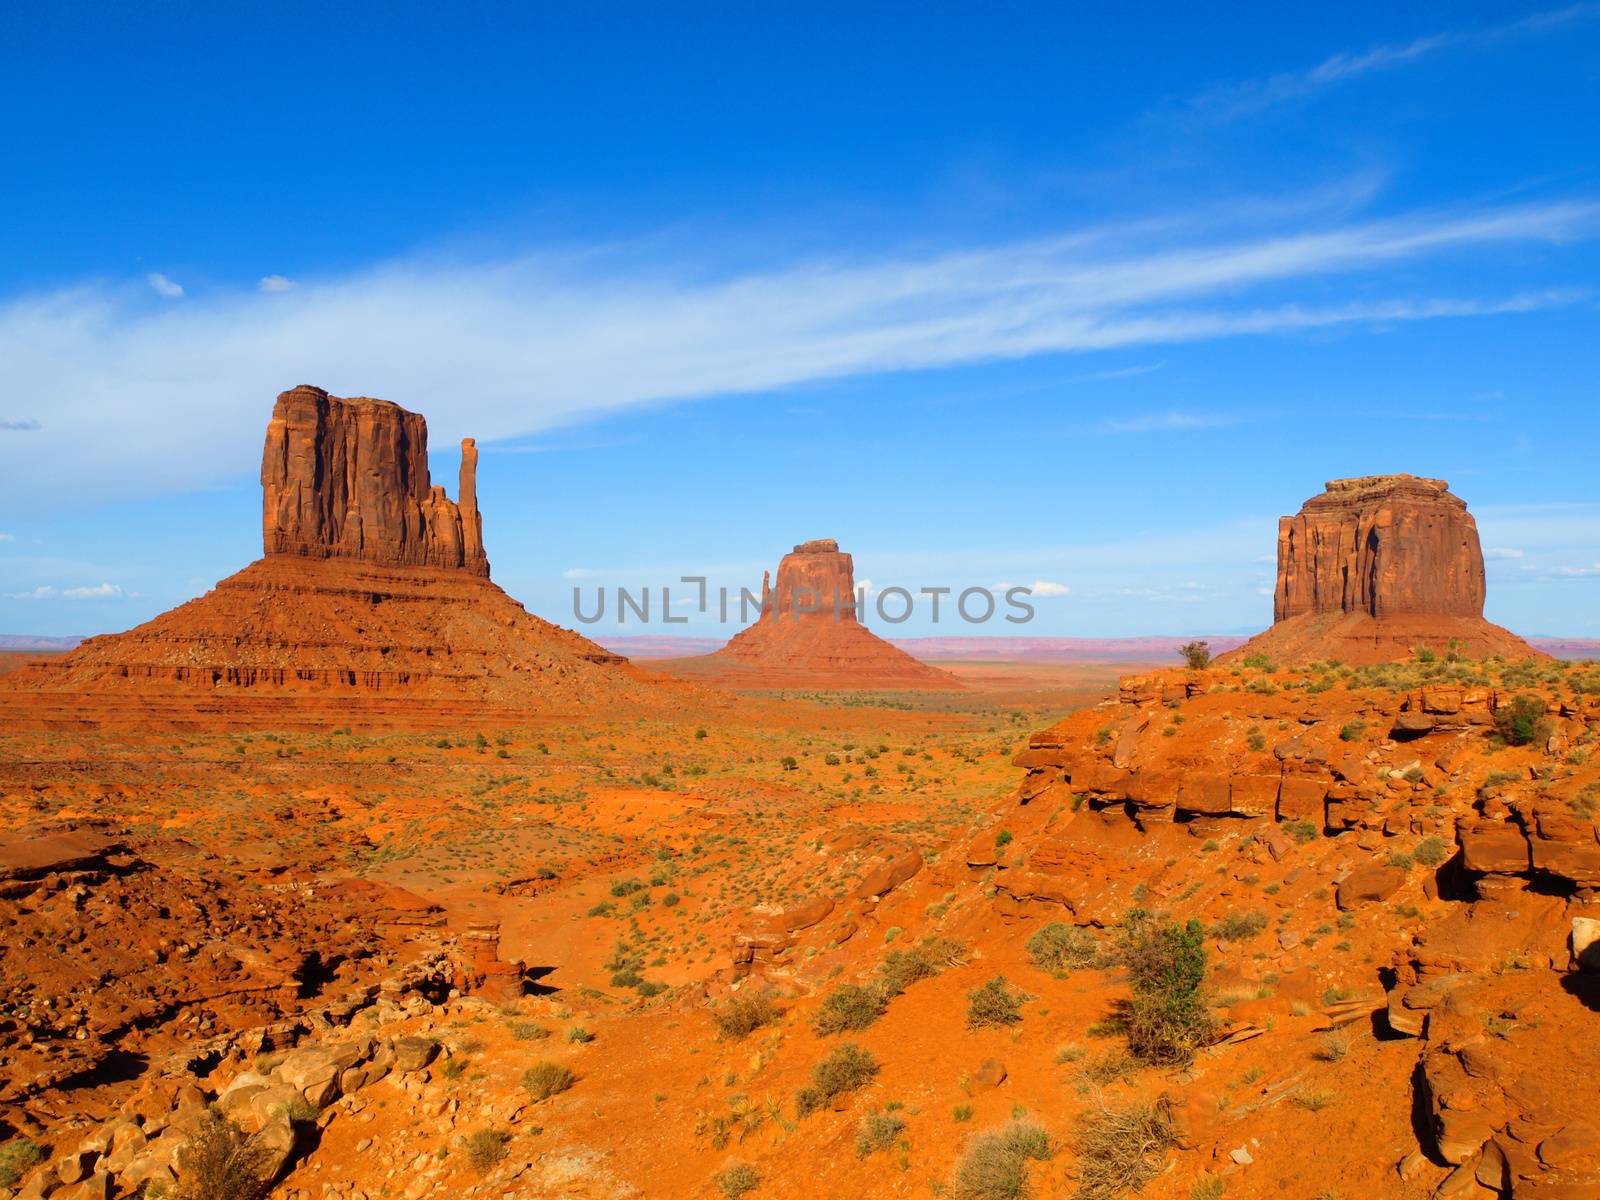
[808, 634]
[373, 582]
[349, 479]
[1376, 567]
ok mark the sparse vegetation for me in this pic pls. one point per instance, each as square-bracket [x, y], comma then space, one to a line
[1523, 721]
[1240, 927]
[1196, 655]
[17, 1157]
[847, 1068]
[737, 1179]
[878, 1131]
[484, 1148]
[1059, 947]
[745, 1012]
[1120, 1150]
[994, 1004]
[546, 1079]
[995, 1165]
[1167, 1019]
[221, 1163]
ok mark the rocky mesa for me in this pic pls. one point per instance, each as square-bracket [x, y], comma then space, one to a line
[1375, 568]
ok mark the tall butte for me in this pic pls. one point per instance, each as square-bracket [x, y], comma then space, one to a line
[372, 583]
[808, 634]
[1376, 568]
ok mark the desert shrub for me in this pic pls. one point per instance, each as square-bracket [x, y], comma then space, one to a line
[1301, 831]
[849, 1007]
[1352, 731]
[995, 1165]
[848, 1069]
[546, 1079]
[1059, 947]
[1260, 662]
[17, 1157]
[1167, 1020]
[1003, 838]
[736, 1179]
[220, 1163]
[878, 1131]
[745, 1012]
[1522, 721]
[484, 1148]
[901, 968]
[1121, 1149]
[1240, 927]
[528, 1031]
[1196, 655]
[1211, 1187]
[993, 1004]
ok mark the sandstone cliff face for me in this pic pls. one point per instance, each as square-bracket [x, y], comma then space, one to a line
[1380, 545]
[814, 580]
[348, 478]
[1375, 568]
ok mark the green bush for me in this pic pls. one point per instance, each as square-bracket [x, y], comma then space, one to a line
[995, 1165]
[1059, 947]
[993, 1005]
[1352, 732]
[1167, 1019]
[17, 1157]
[546, 1079]
[1196, 655]
[1522, 721]
[847, 1069]
[850, 1007]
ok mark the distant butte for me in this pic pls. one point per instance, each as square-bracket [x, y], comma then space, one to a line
[808, 634]
[373, 582]
[1375, 568]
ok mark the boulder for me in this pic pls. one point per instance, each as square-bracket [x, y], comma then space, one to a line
[1369, 885]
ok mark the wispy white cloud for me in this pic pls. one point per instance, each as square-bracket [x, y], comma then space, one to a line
[18, 424]
[1577, 572]
[167, 288]
[502, 349]
[275, 283]
[1501, 552]
[99, 591]
[1165, 423]
[1046, 587]
[1242, 98]
[8, 537]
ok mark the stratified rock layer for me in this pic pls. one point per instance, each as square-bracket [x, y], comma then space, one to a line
[349, 479]
[1375, 568]
[808, 634]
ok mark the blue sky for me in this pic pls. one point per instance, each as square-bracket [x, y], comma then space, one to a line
[992, 294]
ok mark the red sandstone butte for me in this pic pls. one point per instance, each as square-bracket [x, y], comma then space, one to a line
[349, 479]
[372, 582]
[1376, 568]
[808, 634]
